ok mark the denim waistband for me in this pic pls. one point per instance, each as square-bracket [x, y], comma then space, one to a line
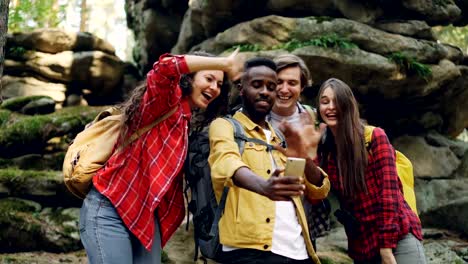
[95, 194]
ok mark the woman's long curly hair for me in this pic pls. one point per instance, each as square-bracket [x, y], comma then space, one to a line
[347, 146]
[130, 108]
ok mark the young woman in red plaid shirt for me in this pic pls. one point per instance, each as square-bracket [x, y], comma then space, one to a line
[136, 202]
[380, 225]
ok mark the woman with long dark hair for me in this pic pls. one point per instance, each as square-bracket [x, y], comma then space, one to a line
[380, 225]
[136, 202]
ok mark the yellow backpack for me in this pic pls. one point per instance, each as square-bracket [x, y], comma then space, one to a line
[93, 146]
[404, 170]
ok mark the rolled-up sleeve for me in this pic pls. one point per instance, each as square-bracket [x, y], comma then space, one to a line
[162, 84]
[314, 192]
[224, 158]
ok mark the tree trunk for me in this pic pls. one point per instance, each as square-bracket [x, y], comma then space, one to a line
[83, 16]
[3, 30]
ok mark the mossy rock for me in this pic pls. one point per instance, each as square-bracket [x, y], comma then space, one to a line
[53, 161]
[4, 116]
[20, 134]
[44, 257]
[24, 227]
[17, 103]
[45, 187]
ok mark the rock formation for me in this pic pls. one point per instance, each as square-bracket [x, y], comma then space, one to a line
[405, 80]
[59, 64]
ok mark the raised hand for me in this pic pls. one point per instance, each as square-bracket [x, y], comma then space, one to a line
[235, 65]
[302, 142]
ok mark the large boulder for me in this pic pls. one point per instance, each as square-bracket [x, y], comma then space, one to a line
[52, 40]
[14, 86]
[156, 25]
[30, 105]
[429, 162]
[206, 18]
[43, 186]
[96, 71]
[443, 203]
[25, 226]
[20, 135]
[405, 84]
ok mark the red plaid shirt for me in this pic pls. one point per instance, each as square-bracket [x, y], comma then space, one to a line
[383, 214]
[147, 175]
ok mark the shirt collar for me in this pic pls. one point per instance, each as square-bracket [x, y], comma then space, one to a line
[250, 125]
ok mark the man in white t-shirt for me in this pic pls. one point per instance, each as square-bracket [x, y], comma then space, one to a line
[263, 220]
[293, 77]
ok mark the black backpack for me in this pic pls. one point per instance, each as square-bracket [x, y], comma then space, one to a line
[203, 206]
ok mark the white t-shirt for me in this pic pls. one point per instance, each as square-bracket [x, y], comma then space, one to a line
[287, 232]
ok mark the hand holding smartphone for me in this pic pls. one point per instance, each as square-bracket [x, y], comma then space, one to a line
[295, 167]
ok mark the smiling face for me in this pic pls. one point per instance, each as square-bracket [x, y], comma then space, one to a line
[206, 86]
[327, 108]
[288, 91]
[258, 91]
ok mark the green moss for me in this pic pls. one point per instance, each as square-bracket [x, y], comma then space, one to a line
[326, 261]
[18, 205]
[16, 103]
[25, 129]
[410, 65]
[325, 41]
[4, 116]
[32, 129]
[17, 175]
[58, 217]
[16, 52]
[247, 47]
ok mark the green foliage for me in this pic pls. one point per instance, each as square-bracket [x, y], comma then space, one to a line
[31, 14]
[410, 65]
[17, 175]
[4, 116]
[326, 41]
[247, 47]
[457, 36]
[16, 52]
[19, 205]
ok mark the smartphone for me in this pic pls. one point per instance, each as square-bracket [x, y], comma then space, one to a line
[295, 167]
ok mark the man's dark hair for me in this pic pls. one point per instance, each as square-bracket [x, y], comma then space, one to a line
[259, 61]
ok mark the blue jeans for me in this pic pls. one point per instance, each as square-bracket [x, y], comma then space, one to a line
[409, 250]
[105, 237]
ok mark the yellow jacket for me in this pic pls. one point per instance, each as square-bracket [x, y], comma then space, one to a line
[249, 218]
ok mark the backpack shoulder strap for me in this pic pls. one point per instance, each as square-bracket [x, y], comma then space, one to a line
[280, 135]
[368, 131]
[239, 134]
[241, 138]
[145, 129]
